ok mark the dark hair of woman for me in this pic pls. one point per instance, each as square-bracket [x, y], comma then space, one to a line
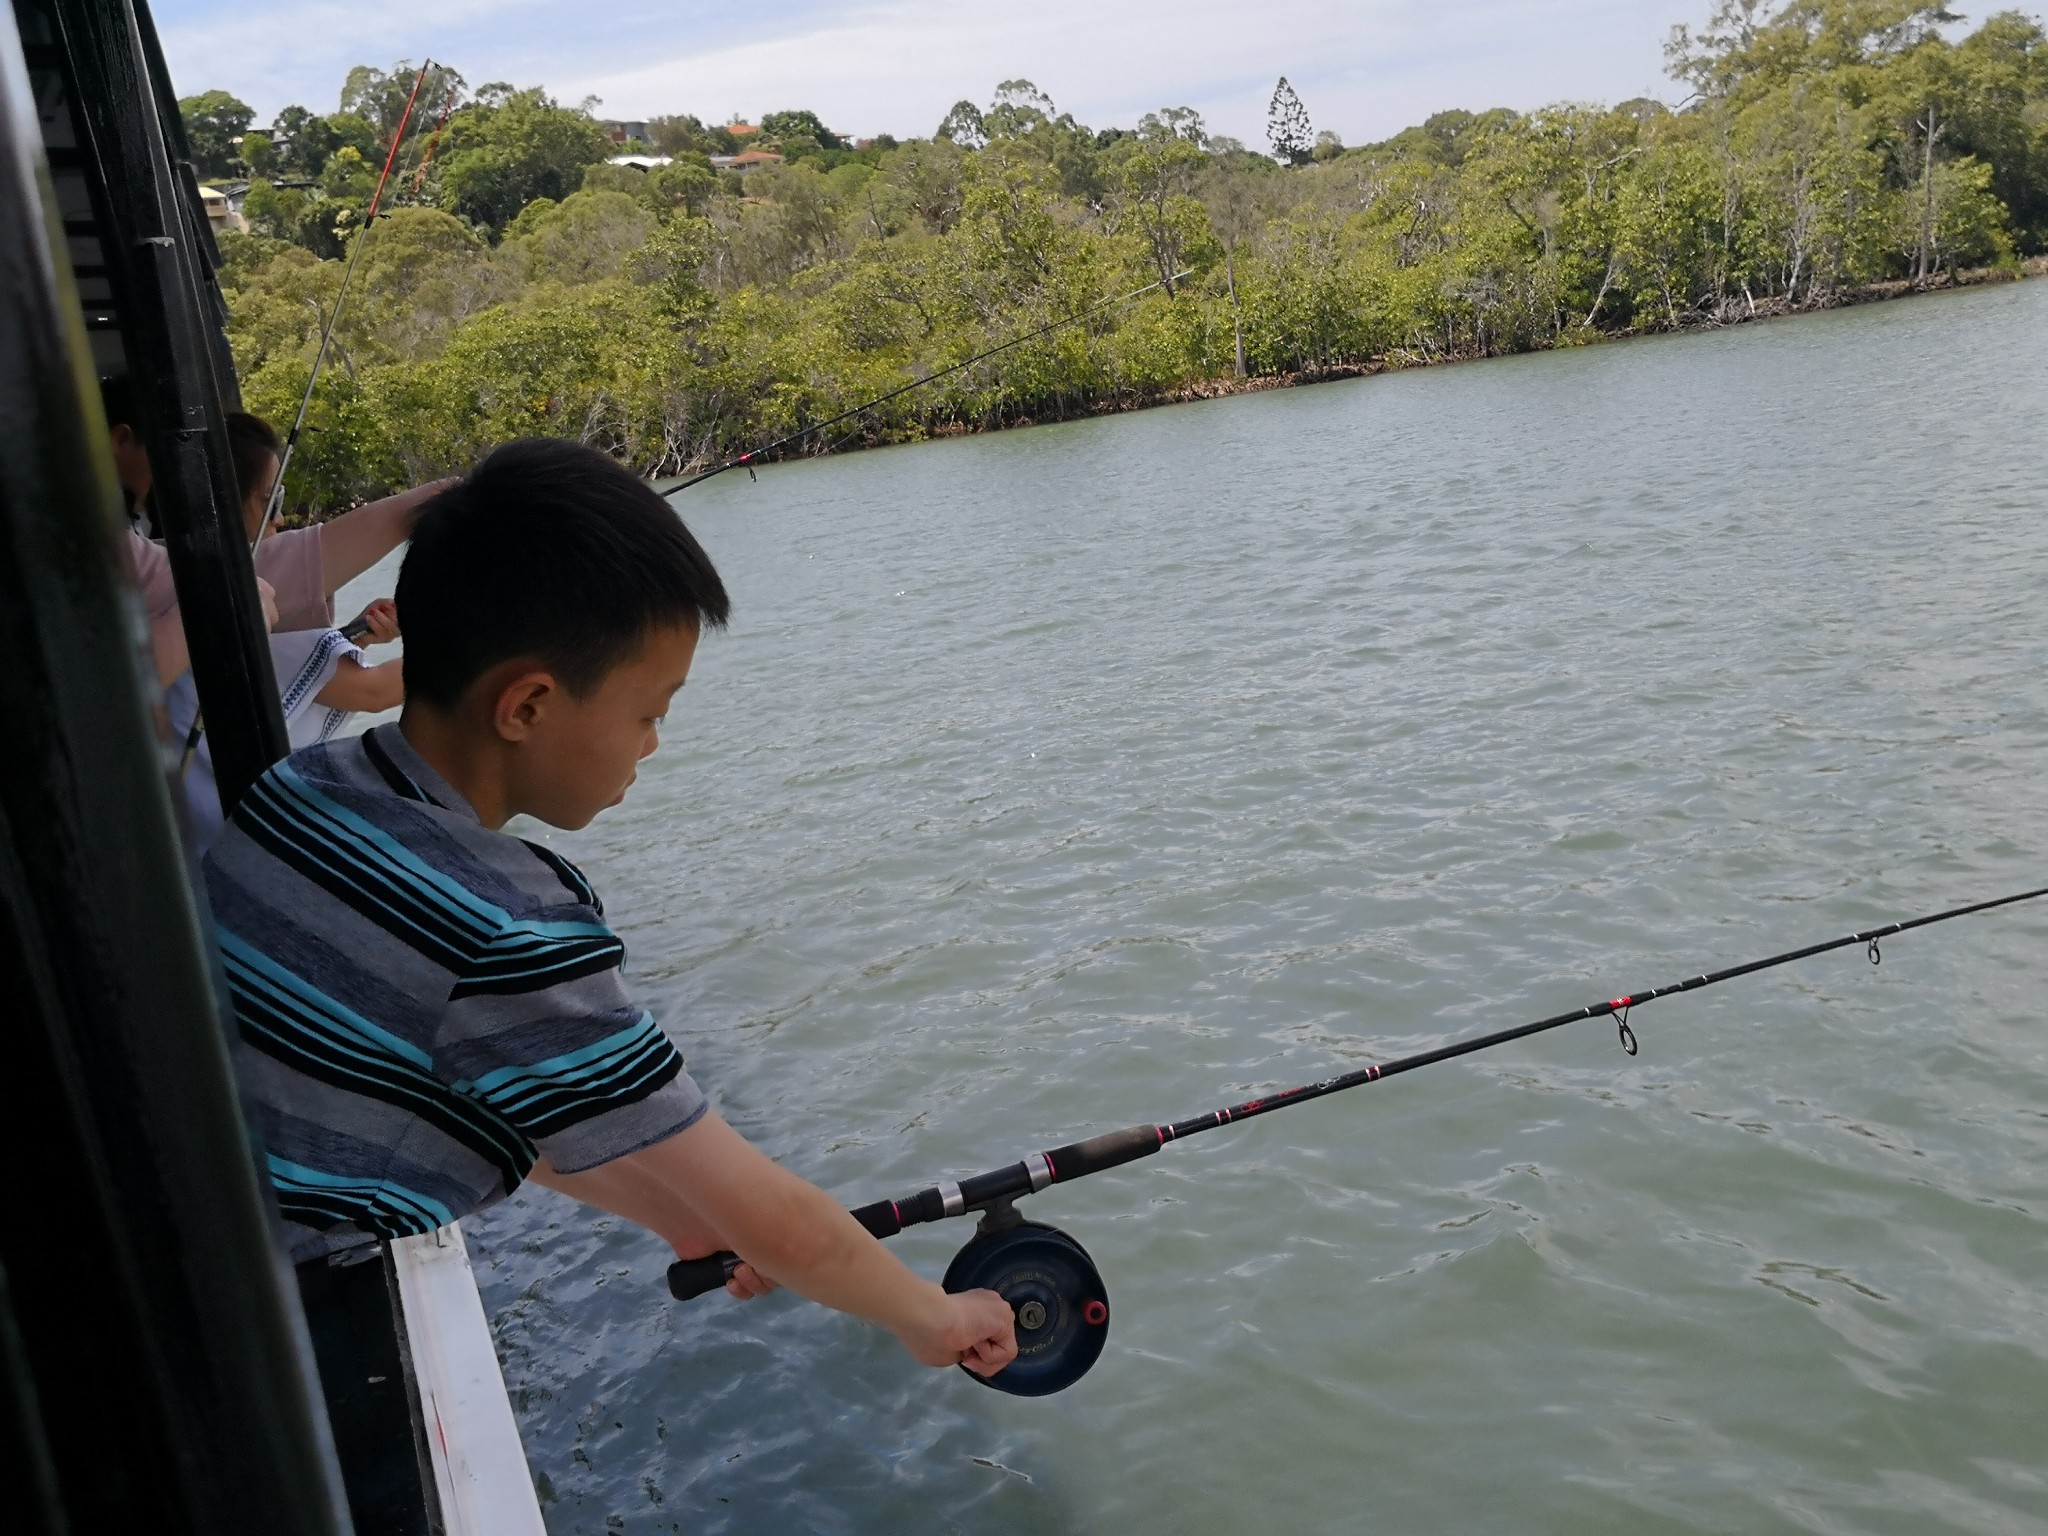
[256, 446]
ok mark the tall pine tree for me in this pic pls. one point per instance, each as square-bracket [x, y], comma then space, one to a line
[1287, 126]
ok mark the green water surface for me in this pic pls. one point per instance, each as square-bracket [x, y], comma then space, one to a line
[1065, 778]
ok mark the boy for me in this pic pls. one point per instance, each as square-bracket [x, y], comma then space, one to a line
[430, 1009]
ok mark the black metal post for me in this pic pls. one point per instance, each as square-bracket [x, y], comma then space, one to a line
[204, 248]
[163, 1361]
[154, 264]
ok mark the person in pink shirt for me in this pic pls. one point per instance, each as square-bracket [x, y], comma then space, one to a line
[298, 570]
[323, 676]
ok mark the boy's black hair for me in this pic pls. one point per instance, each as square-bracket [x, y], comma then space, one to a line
[551, 550]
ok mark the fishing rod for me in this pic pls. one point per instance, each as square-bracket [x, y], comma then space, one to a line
[747, 459]
[1061, 1306]
[291, 440]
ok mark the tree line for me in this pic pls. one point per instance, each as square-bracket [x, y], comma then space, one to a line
[676, 315]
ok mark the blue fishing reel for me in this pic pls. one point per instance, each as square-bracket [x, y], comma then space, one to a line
[1053, 1287]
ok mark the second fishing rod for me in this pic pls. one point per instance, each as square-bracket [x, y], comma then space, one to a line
[1061, 1305]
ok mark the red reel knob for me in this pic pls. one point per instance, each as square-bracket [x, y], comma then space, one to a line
[1094, 1313]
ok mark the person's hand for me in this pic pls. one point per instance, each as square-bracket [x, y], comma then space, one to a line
[408, 503]
[268, 594]
[976, 1329]
[378, 622]
[748, 1282]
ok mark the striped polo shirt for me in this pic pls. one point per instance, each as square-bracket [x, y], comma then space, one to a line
[425, 1005]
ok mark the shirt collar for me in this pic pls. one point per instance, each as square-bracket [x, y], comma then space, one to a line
[391, 741]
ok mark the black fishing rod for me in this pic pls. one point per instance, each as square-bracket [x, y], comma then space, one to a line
[758, 454]
[1062, 1308]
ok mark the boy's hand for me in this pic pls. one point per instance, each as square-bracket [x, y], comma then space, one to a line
[378, 622]
[748, 1282]
[268, 594]
[976, 1329]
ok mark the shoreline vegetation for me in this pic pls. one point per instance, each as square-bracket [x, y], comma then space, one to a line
[1769, 309]
[676, 293]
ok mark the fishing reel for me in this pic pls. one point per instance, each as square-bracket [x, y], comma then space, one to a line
[1053, 1287]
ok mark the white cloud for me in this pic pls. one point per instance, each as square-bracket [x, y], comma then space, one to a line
[1365, 68]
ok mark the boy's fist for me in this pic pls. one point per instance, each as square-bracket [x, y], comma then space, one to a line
[747, 1282]
[976, 1329]
[268, 595]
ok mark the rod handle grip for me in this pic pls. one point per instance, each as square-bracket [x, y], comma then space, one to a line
[1100, 1152]
[689, 1278]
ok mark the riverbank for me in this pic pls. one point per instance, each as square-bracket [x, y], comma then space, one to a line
[1728, 314]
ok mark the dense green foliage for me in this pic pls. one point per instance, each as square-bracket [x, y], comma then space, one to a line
[525, 286]
[214, 124]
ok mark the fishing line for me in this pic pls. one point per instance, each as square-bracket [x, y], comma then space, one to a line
[1062, 1309]
[746, 460]
[433, 143]
[291, 441]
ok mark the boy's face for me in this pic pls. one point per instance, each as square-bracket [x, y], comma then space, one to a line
[579, 755]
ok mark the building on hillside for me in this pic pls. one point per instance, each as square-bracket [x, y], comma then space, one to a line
[224, 206]
[746, 160]
[624, 132]
[741, 130]
[642, 162]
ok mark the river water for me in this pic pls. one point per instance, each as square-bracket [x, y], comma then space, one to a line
[1106, 772]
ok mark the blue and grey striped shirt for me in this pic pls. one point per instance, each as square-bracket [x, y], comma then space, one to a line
[425, 1004]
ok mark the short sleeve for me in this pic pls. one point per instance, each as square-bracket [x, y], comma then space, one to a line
[304, 661]
[152, 569]
[290, 562]
[540, 1029]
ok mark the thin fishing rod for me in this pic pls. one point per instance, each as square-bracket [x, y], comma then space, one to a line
[291, 441]
[1062, 1165]
[765, 449]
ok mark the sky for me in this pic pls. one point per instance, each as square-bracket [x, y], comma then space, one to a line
[1364, 68]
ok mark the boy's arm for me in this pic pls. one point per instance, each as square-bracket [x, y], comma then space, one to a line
[626, 1189]
[796, 1233]
[353, 542]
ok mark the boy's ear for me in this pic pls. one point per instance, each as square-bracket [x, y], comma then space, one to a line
[522, 701]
